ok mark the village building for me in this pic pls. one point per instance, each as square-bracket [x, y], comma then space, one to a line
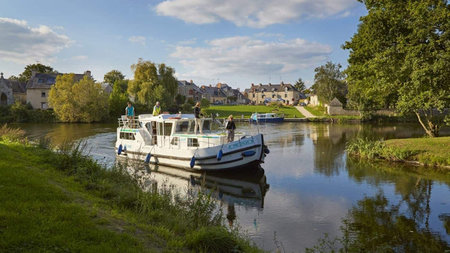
[39, 85]
[11, 91]
[190, 90]
[234, 96]
[214, 95]
[284, 93]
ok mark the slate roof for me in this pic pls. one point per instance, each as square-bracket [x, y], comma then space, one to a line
[271, 87]
[213, 91]
[17, 86]
[186, 83]
[335, 102]
[45, 80]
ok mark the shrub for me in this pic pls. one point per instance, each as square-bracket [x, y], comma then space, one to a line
[11, 134]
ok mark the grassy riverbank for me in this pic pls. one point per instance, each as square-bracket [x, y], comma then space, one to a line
[247, 110]
[67, 202]
[425, 151]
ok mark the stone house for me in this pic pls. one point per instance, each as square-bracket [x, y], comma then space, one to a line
[11, 91]
[189, 90]
[215, 95]
[234, 96]
[39, 85]
[285, 93]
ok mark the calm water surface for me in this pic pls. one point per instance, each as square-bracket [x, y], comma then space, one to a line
[309, 187]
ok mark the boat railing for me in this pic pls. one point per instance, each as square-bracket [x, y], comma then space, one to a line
[129, 122]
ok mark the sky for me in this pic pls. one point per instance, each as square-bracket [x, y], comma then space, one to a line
[237, 42]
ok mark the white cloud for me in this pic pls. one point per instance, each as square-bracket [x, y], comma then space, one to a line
[244, 55]
[252, 13]
[23, 44]
[80, 57]
[137, 39]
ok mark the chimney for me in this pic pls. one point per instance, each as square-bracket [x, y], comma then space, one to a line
[260, 84]
[210, 86]
[1, 75]
[282, 82]
[33, 73]
[87, 73]
[253, 84]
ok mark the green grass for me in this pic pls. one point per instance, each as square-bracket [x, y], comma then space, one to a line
[318, 111]
[428, 151]
[247, 110]
[67, 202]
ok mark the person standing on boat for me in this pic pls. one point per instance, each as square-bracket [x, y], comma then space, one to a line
[230, 128]
[198, 120]
[129, 111]
[156, 109]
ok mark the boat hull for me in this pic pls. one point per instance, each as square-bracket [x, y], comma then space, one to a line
[244, 152]
[267, 120]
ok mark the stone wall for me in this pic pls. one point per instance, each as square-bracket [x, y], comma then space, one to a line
[38, 98]
[338, 110]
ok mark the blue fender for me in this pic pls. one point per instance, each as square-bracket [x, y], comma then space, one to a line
[147, 159]
[119, 150]
[219, 155]
[192, 162]
[248, 153]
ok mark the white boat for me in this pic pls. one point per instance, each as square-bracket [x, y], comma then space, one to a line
[169, 140]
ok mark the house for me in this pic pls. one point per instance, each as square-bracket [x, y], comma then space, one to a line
[11, 91]
[189, 90]
[39, 85]
[314, 100]
[285, 93]
[234, 96]
[215, 95]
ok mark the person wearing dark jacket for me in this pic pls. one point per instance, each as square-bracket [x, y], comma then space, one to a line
[230, 128]
[197, 120]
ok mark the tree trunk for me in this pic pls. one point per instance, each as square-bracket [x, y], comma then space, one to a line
[432, 130]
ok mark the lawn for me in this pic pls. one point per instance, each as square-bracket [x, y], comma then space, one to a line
[425, 150]
[65, 202]
[316, 110]
[247, 110]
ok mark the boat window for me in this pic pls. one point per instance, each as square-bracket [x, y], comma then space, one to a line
[191, 127]
[262, 115]
[126, 136]
[182, 127]
[192, 142]
[148, 126]
[167, 129]
[174, 141]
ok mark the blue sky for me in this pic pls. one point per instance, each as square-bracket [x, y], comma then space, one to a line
[237, 42]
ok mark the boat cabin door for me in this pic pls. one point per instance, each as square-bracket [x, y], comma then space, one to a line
[151, 128]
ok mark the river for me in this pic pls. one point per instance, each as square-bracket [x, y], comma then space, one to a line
[309, 187]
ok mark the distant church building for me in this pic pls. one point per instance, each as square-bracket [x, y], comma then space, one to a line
[6, 91]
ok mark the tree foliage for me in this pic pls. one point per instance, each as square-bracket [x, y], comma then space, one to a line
[82, 101]
[39, 68]
[300, 85]
[153, 83]
[329, 82]
[118, 98]
[400, 57]
[204, 103]
[113, 76]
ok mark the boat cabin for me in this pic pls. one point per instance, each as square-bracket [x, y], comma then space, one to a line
[171, 131]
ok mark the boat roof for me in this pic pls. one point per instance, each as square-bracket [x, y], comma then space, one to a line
[163, 117]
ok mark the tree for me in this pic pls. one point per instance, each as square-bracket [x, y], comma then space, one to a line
[37, 67]
[118, 98]
[300, 85]
[82, 101]
[400, 57]
[329, 82]
[204, 103]
[153, 83]
[113, 76]
[180, 99]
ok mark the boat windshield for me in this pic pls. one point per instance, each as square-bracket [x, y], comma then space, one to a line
[187, 127]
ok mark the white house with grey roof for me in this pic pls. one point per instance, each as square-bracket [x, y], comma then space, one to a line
[283, 92]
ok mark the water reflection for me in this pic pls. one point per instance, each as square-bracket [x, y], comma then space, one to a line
[247, 188]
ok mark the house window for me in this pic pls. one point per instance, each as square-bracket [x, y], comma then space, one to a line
[273, 95]
[43, 94]
[44, 105]
[253, 95]
[285, 95]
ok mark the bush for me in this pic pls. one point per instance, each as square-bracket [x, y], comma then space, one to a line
[11, 134]
[204, 103]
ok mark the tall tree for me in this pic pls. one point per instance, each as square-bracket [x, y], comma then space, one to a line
[153, 83]
[329, 82]
[400, 57]
[118, 98]
[113, 76]
[82, 101]
[37, 67]
[300, 85]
